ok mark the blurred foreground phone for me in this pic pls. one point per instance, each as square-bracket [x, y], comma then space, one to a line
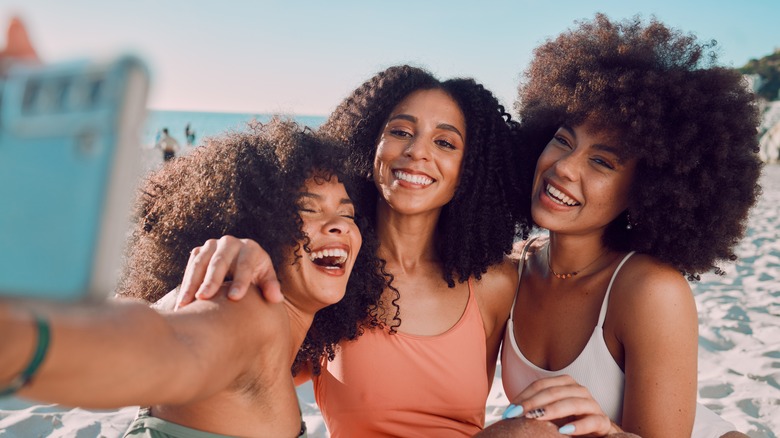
[69, 165]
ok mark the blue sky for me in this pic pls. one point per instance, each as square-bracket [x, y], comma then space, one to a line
[303, 57]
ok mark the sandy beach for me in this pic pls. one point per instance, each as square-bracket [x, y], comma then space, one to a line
[739, 349]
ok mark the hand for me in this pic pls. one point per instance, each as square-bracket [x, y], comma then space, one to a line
[244, 259]
[556, 398]
[18, 47]
[537, 245]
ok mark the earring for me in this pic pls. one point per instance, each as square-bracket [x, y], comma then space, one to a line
[628, 221]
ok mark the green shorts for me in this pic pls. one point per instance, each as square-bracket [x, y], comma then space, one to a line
[146, 426]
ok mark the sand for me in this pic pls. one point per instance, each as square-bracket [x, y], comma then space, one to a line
[739, 349]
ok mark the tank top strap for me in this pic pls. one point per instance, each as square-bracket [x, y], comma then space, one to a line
[520, 266]
[603, 312]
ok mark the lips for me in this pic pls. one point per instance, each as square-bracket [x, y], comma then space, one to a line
[416, 179]
[330, 258]
[559, 197]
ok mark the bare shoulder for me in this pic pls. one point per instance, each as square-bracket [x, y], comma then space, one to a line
[499, 283]
[495, 292]
[645, 280]
[251, 320]
[649, 292]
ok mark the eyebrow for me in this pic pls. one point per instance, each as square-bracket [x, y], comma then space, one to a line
[617, 152]
[317, 197]
[413, 119]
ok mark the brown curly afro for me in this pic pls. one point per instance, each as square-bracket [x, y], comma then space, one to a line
[246, 184]
[489, 208]
[690, 124]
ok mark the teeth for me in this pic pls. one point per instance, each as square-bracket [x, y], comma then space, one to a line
[561, 197]
[414, 179]
[333, 252]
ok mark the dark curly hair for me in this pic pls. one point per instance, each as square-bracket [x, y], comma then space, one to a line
[690, 124]
[488, 210]
[246, 184]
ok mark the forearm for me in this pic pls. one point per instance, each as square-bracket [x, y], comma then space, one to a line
[99, 357]
[17, 342]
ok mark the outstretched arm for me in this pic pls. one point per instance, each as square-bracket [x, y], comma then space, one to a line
[125, 353]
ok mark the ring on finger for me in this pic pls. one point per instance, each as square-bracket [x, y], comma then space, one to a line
[535, 413]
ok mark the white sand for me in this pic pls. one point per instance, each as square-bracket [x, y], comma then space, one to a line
[739, 349]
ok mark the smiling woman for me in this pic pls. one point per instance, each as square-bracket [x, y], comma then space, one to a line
[333, 239]
[418, 158]
[438, 157]
[647, 168]
[215, 368]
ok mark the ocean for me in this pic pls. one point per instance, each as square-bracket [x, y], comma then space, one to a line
[206, 124]
[739, 321]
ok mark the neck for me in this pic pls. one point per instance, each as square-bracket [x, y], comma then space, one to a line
[406, 239]
[574, 253]
[300, 323]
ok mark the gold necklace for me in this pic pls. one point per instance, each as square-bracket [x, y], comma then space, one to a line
[567, 275]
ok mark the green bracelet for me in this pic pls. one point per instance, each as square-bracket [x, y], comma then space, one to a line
[40, 352]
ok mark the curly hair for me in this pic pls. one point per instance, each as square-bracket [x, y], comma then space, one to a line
[690, 124]
[478, 226]
[246, 184]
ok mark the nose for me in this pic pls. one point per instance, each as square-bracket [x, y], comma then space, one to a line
[336, 225]
[417, 149]
[567, 166]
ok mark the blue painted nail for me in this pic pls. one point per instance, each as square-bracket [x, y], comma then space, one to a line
[566, 430]
[512, 411]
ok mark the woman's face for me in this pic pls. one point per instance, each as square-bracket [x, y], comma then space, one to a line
[581, 183]
[420, 152]
[319, 277]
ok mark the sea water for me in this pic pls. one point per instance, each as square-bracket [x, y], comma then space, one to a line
[203, 125]
[207, 124]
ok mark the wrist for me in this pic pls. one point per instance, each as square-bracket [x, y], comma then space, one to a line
[19, 345]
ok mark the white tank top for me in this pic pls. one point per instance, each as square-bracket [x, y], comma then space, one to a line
[594, 368]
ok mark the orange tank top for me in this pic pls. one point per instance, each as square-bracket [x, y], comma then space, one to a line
[402, 385]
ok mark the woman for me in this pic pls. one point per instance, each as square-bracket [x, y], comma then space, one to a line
[214, 368]
[440, 156]
[649, 170]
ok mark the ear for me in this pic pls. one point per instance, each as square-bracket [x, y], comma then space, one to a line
[18, 43]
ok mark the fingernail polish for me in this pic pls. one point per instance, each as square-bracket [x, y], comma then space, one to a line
[512, 411]
[566, 430]
[233, 293]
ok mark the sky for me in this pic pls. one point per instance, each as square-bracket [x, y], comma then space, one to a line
[302, 57]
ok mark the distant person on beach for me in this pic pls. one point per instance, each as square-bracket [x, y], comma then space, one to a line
[168, 145]
[438, 157]
[214, 368]
[189, 135]
[648, 166]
